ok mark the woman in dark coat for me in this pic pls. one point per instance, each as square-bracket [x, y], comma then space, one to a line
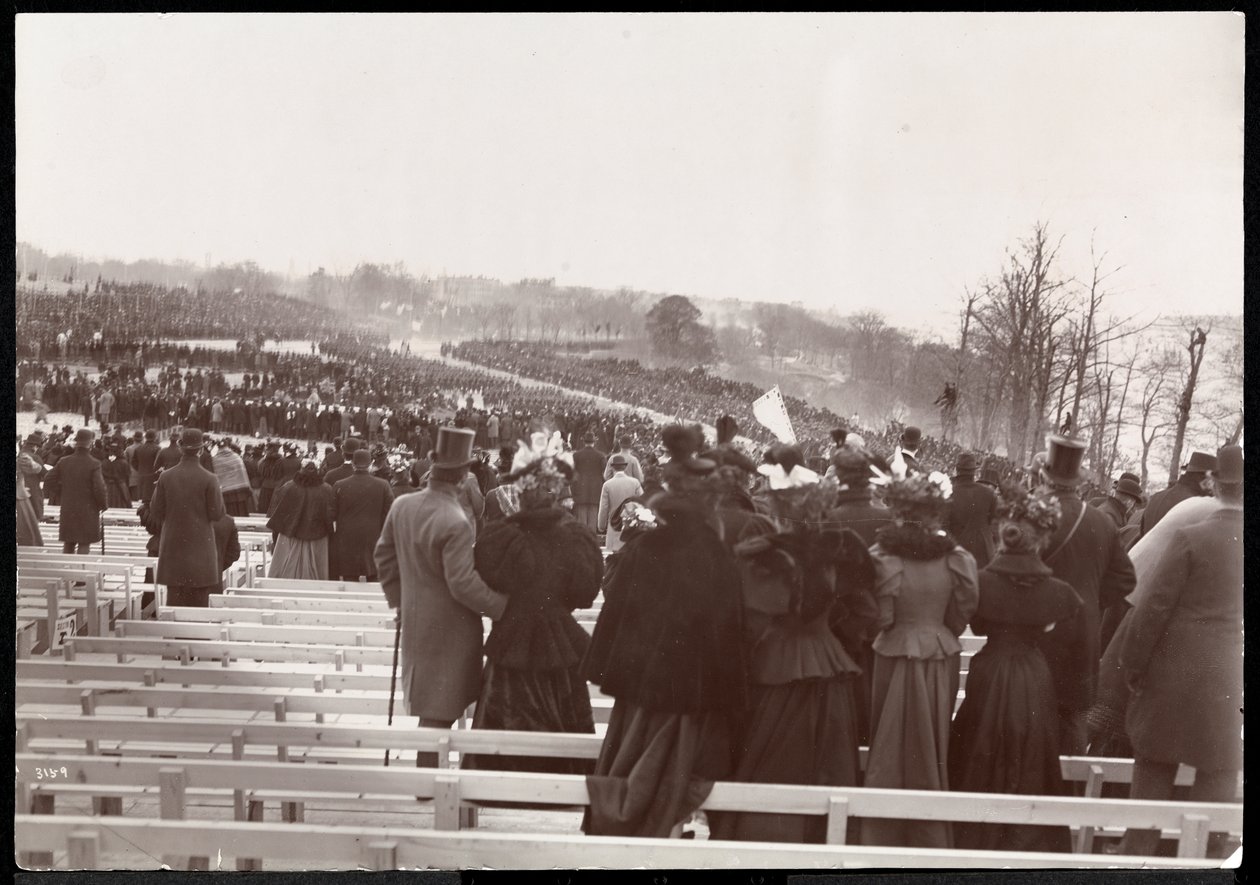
[669, 648]
[801, 726]
[927, 590]
[302, 517]
[547, 565]
[1005, 736]
[271, 476]
[117, 475]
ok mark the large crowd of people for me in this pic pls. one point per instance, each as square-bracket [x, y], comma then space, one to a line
[109, 320]
[695, 395]
[768, 609]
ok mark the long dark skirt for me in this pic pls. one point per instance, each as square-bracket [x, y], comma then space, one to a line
[1005, 739]
[911, 704]
[655, 769]
[800, 733]
[237, 502]
[533, 700]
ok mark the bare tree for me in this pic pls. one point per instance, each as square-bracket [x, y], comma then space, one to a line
[1016, 319]
[1196, 348]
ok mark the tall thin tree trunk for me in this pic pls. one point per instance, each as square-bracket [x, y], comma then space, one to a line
[1198, 343]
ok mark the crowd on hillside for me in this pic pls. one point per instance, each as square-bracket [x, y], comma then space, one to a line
[113, 319]
[695, 395]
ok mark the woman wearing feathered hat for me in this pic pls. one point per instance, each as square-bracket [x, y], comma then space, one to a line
[668, 647]
[547, 565]
[926, 588]
[1005, 738]
[801, 727]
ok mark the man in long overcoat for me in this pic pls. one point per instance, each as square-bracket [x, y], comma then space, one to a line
[1086, 552]
[361, 503]
[144, 463]
[186, 505]
[82, 485]
[588, 481]
[972, 512]
[424, 559]
[1182, 659]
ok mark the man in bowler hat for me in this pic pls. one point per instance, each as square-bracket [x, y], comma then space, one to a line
[1192, 483]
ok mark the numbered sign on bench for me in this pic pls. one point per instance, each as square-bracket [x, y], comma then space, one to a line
[63, 629]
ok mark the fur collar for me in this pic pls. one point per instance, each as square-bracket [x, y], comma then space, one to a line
[913, 542]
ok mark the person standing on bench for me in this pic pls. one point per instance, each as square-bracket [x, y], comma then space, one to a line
[186, 505]
[424, 560]
[82, 485]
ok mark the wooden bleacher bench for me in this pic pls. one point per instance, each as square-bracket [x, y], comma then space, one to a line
[1189, 822]
[85, 840]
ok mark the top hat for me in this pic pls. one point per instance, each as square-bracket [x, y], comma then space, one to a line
[83, 438]
[454, 447]
[618, 460]
[1126, 486]
[1200, 462]
[966, 465]
[726, 428]
[361, 458]
[1229, 465]
[1063, 459]
[191, 439]
[911, 437]
[31, 440]
[990, 476]
[838, 435]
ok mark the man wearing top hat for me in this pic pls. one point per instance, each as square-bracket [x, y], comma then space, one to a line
[424, 559]
[972, 511]
[1192, 483]
[1181, 655]
[186, 505]
[82, 485]
[1086, 552]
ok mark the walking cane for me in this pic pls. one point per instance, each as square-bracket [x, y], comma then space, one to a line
[102, 515]
[393, 674]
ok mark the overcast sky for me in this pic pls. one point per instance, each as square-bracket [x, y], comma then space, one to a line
[861, 161]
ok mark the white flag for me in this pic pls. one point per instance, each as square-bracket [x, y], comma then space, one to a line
[770, 410]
